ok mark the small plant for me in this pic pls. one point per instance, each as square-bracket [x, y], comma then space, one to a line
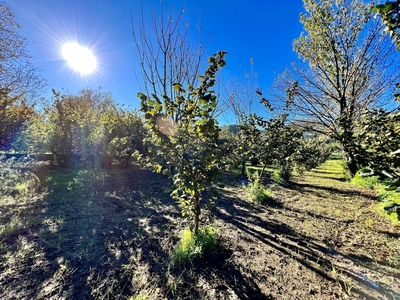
[195, 244]
[255, 190]
[347, 287]
[362, 180]
[276, 176]
[286, 170]
[144, 295]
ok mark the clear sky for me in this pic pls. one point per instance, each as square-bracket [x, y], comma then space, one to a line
[259, 29]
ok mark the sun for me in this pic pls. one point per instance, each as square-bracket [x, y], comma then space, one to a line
[79, 58]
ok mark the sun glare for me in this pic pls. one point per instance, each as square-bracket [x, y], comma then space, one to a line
[79, 58]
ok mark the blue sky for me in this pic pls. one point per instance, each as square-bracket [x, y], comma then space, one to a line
[262, 30]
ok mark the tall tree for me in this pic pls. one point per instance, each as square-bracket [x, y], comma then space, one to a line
[390, 14]
[166, 55]
[19, 81]
[17, 73]
[348, 64]
[241, 95]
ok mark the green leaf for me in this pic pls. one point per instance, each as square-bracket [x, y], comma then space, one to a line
[177, 87]
[158, 168]
[158, 107]
[391, 188]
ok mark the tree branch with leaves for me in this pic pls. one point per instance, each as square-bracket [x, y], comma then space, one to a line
[190, 144]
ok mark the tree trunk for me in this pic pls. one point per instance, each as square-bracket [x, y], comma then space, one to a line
[197, 212]
[243, 167]
[352, 167]
[263, 169]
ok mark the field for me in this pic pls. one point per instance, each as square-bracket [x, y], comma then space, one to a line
[109, 235]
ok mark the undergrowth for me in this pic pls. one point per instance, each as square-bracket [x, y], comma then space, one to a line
[195, 245]
[255, 189]
[384, 196]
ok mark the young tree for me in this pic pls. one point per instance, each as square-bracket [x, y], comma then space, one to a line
[349, 64]
[190, 144]
[273, 141]
[242, 100]
[377, 140]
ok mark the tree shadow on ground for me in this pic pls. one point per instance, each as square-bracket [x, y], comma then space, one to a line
[311, 254]
[93, 225]
[218, 278]
[109, 234]
[311, 188]
[318, 177]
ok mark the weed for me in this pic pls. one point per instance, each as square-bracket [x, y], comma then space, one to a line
[255, 190]
[369, 222]
[276, 176]
[174, 282]
[144, 295]
[347, 287]
[195, 244]
[369, 182]
[334, 272]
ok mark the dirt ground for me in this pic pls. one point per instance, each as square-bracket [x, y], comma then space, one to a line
[109, 235]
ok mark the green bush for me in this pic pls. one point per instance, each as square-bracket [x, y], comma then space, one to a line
[195, 244]
[255, 190]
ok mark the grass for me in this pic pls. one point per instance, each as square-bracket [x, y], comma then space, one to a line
[255, 190]
[370, 182]
[385, 197]
[144, 295]
[193, 245]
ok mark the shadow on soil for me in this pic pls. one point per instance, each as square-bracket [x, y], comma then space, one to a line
[315, 190]
[96, 225]
[108, 234]
[281, 237]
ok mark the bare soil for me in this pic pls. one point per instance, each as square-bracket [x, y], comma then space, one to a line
[109, 235]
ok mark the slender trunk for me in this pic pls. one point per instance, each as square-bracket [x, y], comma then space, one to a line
[263, 169]
[243, 167]
[197, 212]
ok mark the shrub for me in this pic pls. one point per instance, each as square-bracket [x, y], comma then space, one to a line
[255, 190]
[195, 244]
[286, 170]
